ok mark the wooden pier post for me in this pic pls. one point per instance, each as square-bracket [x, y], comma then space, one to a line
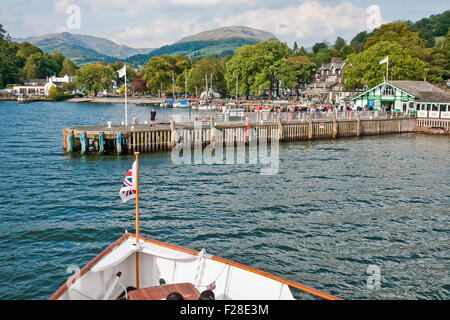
[70, 142]
[173, 131]
[280, 129]
[335, 127]
[83, 142]
[65, 139]
[310, 127]
[358, 125]
[212, 133]
[119, 143]
[129, 142]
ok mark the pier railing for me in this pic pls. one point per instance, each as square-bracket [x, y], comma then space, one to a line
[266, 116]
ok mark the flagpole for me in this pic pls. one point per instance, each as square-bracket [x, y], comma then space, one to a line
[387, 69]
[126, 102]
[137, 219]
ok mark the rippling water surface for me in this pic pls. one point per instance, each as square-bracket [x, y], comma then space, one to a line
[333, 209]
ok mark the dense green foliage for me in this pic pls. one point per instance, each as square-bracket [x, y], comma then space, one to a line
[217, 48]
[20, 62]
[296, 70]
[163, 72]
[409, 58]
[93, 78]
[435, 26]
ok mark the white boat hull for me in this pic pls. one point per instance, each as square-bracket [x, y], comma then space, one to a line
[164, 263]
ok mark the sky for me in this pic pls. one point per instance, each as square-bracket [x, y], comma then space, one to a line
[153, 23]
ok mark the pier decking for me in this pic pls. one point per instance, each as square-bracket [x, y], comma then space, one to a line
[165, 136]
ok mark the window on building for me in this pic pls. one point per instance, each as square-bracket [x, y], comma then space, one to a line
[434, 107]
[443, 108]
[428, 107]
[388, 91]
[418, 106]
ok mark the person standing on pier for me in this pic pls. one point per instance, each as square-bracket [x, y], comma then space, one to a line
[152, 116]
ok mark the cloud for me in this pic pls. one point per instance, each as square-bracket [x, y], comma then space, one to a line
[154, 23]
[161, 32]
[60, 6]
[308, 22]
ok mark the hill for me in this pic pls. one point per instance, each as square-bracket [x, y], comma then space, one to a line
[84, 49]
[229, 33]
[218, 42]
[433, 28]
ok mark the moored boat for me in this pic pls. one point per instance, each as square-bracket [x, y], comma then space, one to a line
[181, 104]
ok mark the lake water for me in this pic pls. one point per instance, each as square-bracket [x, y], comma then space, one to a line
[334, 208]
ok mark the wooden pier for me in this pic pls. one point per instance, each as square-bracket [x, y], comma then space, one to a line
[162, 137]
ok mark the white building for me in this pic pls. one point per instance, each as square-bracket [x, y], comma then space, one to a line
[37, 87]
[327, 86]
[404, 96]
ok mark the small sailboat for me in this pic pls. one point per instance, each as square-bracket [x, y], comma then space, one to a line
[181, 104]
[140, 268]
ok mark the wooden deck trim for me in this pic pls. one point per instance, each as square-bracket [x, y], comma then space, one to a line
[87, 267]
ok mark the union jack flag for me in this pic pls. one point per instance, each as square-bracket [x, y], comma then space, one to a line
[128, 189]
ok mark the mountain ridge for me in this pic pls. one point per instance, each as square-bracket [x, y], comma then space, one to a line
[215, 42]
[96, 48]
[83, 49]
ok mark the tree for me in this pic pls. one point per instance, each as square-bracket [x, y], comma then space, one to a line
[438, 62]
[359, 41]
[437, 24]
[68, 68]
[138, 85]
[94, 78]
[122, 89]
[302, 52]
[346, 51]
[53, 93]
[296, 70]
[396, 32]
[295, 47]
[26, 49]
[69, 87]
[339, 44]
[207, 67]
[429, 38]
[364, 68]
[10, 63]
[157, 73]
[40, 66]
[318, 46]
[323, 56]
[266, 62]
[240, 69]
[58, 57]
[256, 66]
